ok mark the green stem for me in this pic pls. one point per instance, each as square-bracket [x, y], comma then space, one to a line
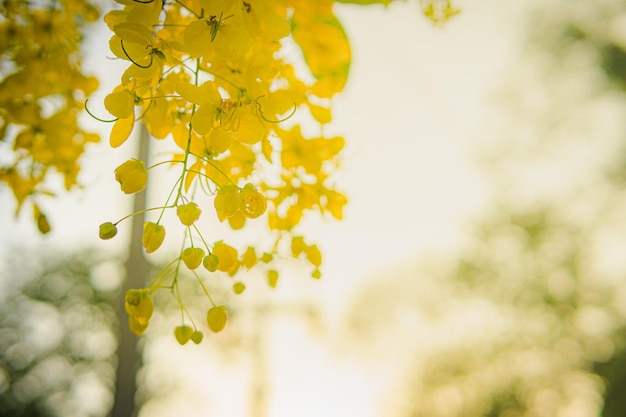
[142, 211]
[189, 136]
[202, 238]
[206, 291]
[168, 199]
[173, 161]
[162, 276]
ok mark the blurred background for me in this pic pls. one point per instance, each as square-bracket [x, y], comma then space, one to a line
[480, 270]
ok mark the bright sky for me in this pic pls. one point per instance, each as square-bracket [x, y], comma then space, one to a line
[416, 101]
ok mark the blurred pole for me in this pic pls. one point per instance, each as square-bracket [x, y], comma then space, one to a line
[136, 272]
[260, 375]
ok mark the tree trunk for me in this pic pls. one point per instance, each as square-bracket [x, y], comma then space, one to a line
[136, 271]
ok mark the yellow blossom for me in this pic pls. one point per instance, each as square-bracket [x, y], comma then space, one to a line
[120, 103]
[253, 203]
[228, 258]
[227, 202]
[138, 304]
[132, 176]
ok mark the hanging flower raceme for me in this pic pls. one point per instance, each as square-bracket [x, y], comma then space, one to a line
[214, 79]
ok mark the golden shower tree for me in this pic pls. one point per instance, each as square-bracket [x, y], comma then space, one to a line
[247, 119]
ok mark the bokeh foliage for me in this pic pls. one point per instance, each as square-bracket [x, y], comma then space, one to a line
[57, 343]
[528, 319]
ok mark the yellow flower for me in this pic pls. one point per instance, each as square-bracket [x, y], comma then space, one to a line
[253, 203]
[238, 221]
[227, 256]
[138, 305]
[209, 100]
[227, 202]
[121, 130]
[132, 176]
[249, 128]
[153, 235]
[136, 327]
[120, 103]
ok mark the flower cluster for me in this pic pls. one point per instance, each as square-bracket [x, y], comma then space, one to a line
[212, 78]
[42, 90]
[215, 80]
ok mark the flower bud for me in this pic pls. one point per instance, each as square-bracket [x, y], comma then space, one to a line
[216, 318]
[188, 213]
[153, 235]
[192, 257]
[183, 334]
[197, 337]
[107, 230]
[211, 262]
[239, 287]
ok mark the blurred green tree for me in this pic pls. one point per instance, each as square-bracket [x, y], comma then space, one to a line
[57, 339]
[529, 318]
